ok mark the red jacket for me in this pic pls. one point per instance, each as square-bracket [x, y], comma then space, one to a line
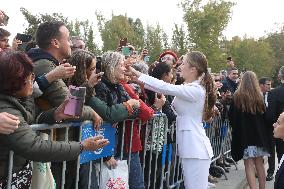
[146, 113]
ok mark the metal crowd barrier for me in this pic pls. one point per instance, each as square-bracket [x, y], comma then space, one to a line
[160, 163]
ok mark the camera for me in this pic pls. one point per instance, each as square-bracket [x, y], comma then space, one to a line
[76, 101]
[24, 37]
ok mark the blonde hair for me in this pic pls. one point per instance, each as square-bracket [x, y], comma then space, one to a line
[248, 97]
[199, 61]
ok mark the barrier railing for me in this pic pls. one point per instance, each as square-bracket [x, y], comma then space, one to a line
[160, 163]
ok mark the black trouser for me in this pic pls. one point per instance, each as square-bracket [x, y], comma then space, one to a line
[271, 159]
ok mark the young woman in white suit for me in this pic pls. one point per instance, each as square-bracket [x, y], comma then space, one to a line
[193, 103]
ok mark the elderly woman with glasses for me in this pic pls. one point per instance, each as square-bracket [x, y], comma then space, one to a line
[16, 78]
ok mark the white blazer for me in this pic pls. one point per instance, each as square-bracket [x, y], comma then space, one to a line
[188, 104]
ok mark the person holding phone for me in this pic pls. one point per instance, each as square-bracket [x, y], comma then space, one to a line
[16, 76]
[85, 63]
[194, 102]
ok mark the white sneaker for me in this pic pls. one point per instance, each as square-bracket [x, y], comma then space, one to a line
[211, 185]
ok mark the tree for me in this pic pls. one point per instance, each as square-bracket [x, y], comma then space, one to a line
[82, 29]
[35, 20]
[119, 27]
[154, 41]
[179, 40]
[276, 41]
[252, 54]
[205, 25]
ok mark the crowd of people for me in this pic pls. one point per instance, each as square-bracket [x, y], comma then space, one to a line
[119, 86]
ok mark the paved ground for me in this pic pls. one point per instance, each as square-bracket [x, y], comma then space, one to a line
[237, 180]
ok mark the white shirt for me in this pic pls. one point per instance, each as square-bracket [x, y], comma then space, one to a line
[188, 104]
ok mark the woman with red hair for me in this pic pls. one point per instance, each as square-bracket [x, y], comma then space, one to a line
[16, 78]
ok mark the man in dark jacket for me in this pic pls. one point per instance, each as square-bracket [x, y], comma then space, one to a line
[265, 87]
[279, 133]
[54, 47]
[230, 83]
[275, 108]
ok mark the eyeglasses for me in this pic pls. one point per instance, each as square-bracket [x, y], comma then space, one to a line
[30, 80]
[165, 58]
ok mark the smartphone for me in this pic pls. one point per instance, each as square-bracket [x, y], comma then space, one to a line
[147, 59]
[24, 37]
[100, 75]
[98, 64]
[159, 96]
[76, 101]
[126, 51]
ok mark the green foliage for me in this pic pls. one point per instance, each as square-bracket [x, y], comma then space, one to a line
[35, 20]
[76, 28]
[252, 54]
[119, 27]
[205, 25]
[276, 41]
[179, 40]
[154, 41]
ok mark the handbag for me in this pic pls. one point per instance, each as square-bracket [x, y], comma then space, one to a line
[115, 178]
[42, 177]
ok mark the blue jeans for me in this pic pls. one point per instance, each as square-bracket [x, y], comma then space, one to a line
[136, 178]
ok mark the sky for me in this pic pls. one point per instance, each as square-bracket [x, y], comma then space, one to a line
[253, 18]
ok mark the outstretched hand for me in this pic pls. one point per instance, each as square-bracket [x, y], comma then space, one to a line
[63, 71]
[94, 143]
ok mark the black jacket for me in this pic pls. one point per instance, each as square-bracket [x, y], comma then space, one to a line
[229, 85]
[275, 104]
[279, 178]
[247, 130]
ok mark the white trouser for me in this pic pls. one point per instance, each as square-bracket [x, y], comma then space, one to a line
[196, 172]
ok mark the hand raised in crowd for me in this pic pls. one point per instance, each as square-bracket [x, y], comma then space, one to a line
[111, 163]
[63, 71]
[94, 143]
[8, 123]
[2, 17]
[97, 121]
[59, 114]
[160, 100]
[16, 43]
[95, 78]
[134, 103]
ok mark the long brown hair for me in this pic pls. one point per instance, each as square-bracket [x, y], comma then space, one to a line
[199, 61]
[248, 96]
[82, 59]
